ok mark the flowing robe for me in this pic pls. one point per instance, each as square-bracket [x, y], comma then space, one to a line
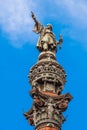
[46, 35]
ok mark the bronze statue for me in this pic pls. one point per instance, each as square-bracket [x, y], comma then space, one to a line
[47, 40]
[47, 78]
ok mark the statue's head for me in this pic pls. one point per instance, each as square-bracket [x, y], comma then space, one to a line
[49, 26]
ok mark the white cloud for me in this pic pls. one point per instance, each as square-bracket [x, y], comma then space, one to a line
[76, 9]
[15, 19]
[74, 14]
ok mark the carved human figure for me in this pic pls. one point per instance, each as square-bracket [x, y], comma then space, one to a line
[47, 39]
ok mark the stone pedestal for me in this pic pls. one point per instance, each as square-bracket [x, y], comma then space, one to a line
[47, 78]
[49, 128]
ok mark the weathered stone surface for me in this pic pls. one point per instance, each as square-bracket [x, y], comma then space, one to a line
[49, 128]
[47, 78]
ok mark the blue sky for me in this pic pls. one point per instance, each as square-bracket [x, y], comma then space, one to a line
[18, 54]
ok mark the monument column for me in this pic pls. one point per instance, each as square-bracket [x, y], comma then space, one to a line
[47, 78]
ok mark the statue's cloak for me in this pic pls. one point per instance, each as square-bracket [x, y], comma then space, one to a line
[38, 27]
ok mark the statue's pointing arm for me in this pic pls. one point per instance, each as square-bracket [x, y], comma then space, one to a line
[37, 27]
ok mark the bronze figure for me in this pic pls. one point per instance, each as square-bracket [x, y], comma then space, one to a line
[47, 78]
[47, 40]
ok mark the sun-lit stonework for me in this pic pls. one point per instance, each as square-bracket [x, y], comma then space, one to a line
[47, 78]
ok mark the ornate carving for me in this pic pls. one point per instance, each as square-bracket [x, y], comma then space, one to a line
[47, 108]
[47, 78]
[48, 72]
[49, 128]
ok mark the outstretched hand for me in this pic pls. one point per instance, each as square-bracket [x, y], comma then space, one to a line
[32, 14]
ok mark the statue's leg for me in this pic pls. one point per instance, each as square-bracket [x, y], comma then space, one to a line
[39, 45]
[45, 46]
